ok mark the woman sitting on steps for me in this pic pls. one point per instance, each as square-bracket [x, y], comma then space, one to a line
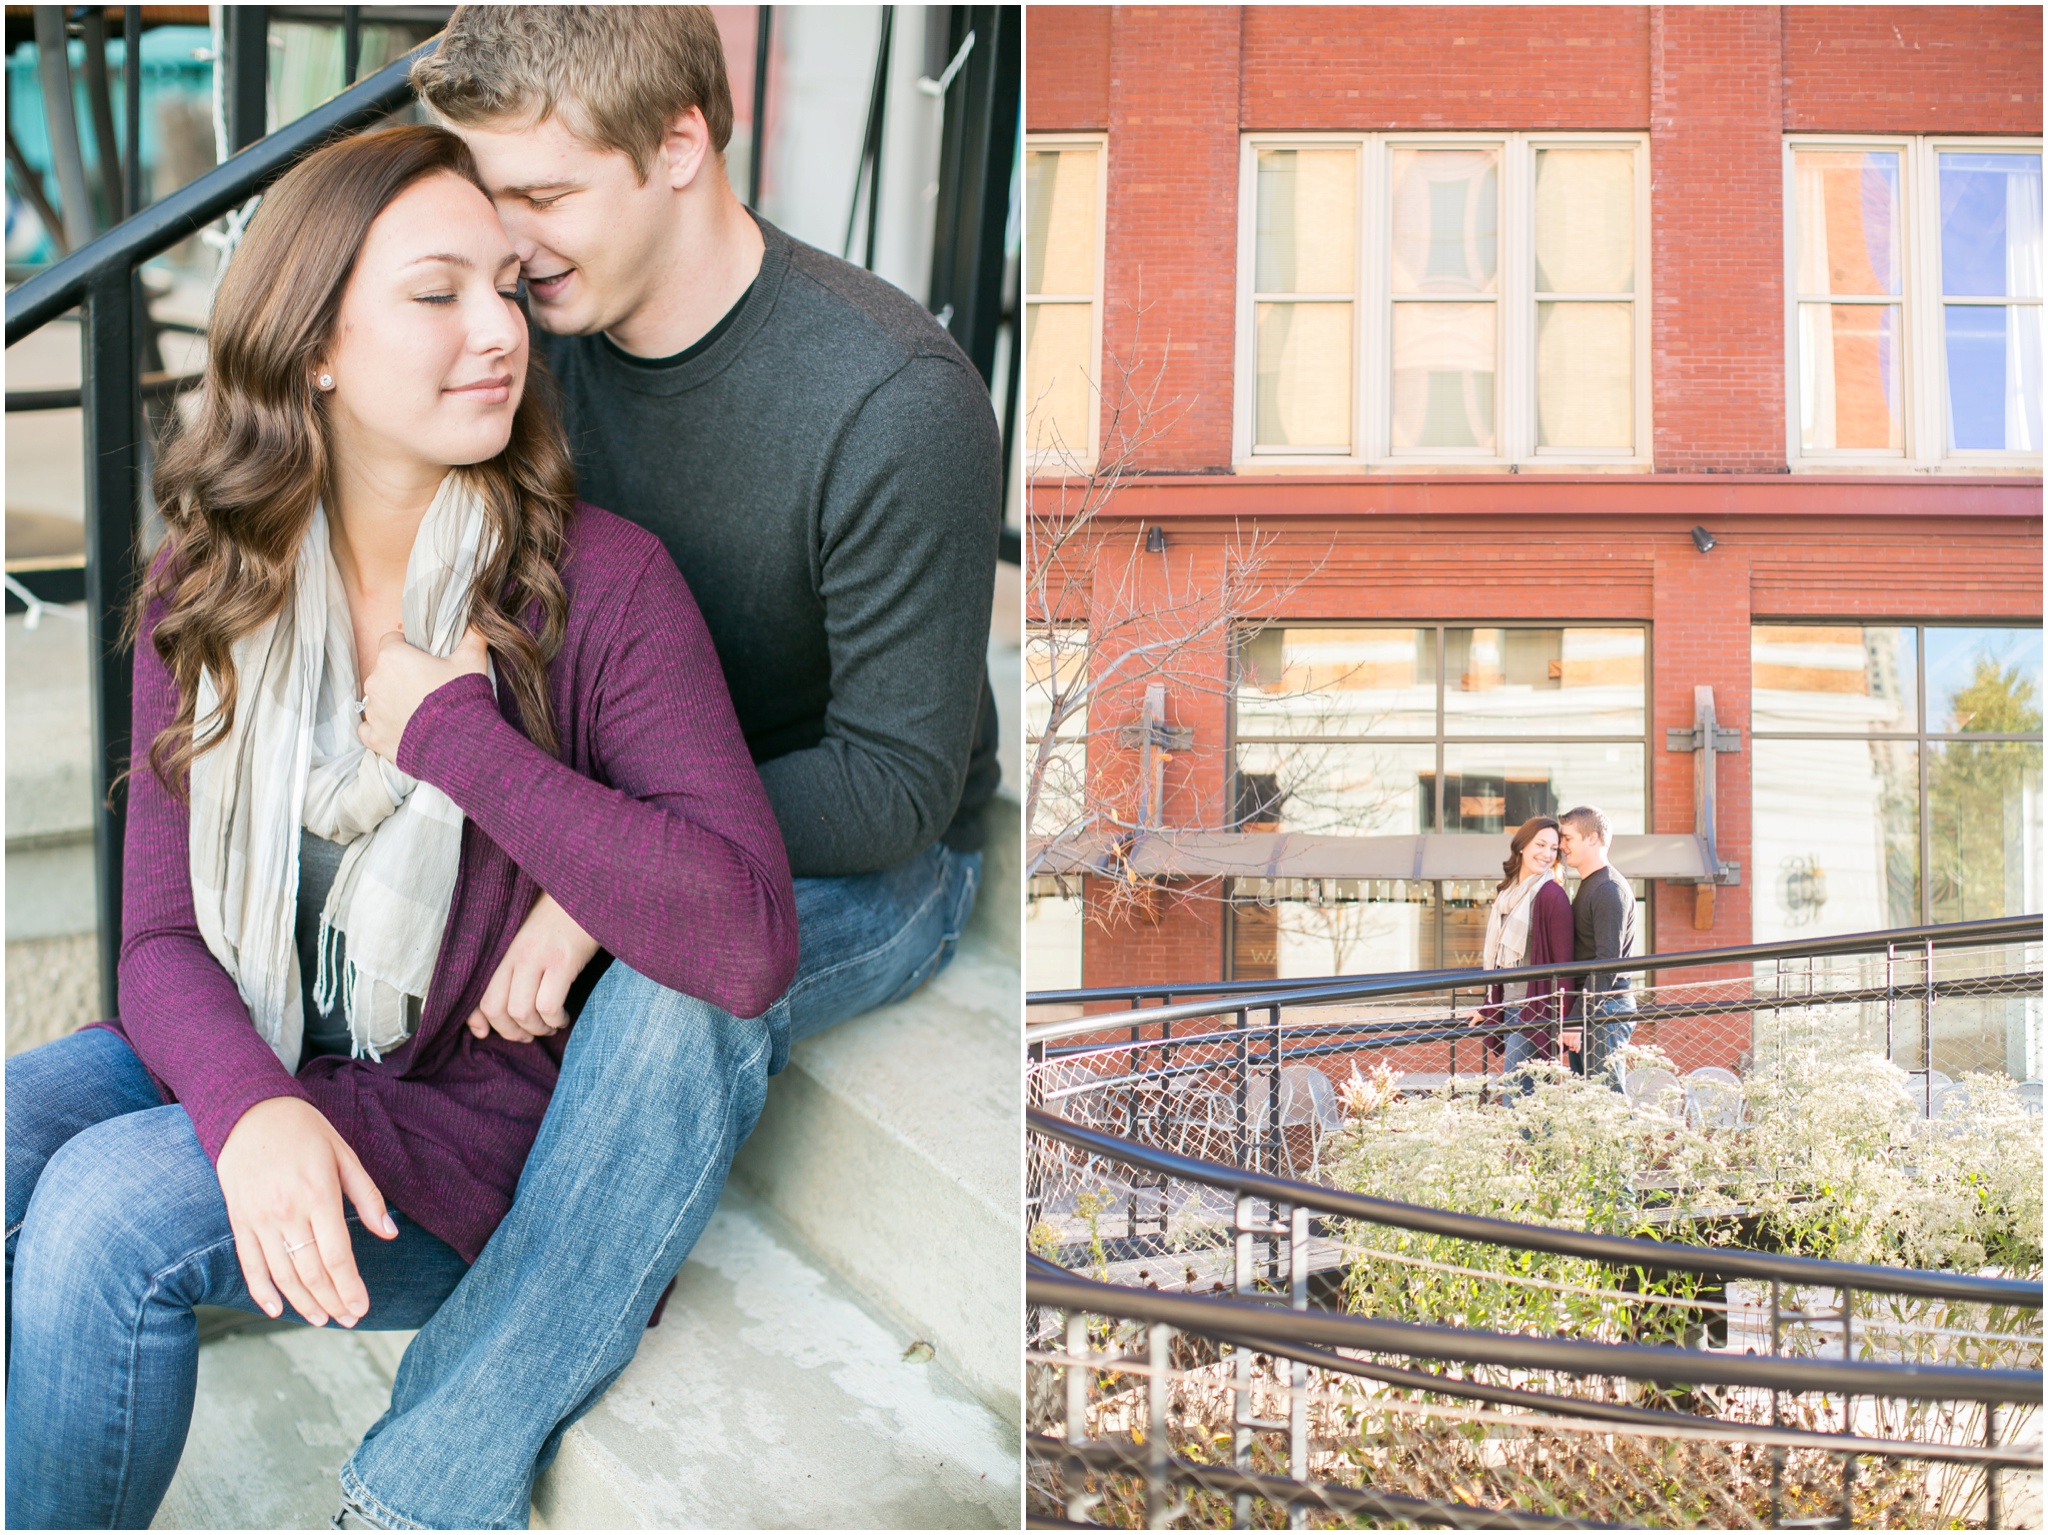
[392, 683]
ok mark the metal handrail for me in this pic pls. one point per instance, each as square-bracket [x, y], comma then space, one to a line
[192, 207]
[1661, 1364]
[1988, 930]
[1621, 1252]
[100, 281]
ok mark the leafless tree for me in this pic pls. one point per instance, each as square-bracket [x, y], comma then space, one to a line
[1123, 634]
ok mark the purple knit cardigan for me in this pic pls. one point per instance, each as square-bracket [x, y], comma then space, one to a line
[651, 829]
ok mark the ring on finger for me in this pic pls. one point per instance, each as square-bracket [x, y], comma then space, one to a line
[292, 1247]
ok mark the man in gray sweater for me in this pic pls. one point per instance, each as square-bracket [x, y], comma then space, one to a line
[823, 464]
[1603, 928]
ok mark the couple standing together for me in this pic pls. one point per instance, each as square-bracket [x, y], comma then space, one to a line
[1533, 923]
[433, 757]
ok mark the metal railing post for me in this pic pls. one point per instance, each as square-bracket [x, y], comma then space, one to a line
[131, 93]
[1927, 1039]
[1159, 1510]
[1079, 1500]
[1241, 1392]
[1994, 1512]
[113, 408]
[1297, 1404]
[245, 35]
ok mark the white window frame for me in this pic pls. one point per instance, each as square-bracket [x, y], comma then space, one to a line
[1042, 461]
[1923, 385]
[1373, 320]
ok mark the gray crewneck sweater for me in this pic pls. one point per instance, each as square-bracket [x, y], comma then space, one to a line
[826, 473]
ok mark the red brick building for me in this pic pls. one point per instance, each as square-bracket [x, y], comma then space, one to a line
[1499, 378]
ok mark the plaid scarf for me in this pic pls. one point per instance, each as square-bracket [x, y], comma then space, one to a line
[292, 759]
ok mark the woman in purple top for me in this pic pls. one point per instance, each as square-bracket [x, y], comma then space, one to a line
[427, 686]
[1530, 923]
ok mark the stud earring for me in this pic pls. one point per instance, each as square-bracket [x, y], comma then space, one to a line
[327, 381]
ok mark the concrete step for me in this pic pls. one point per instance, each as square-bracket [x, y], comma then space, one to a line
[771, 1397]
[279, 1409]
[893, 1146]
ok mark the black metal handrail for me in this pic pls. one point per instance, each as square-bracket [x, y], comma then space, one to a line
[1661, 1364]
[1264, 995]
[1464, 1388]
[1495, 1231]
[192, 207]
[101, 281]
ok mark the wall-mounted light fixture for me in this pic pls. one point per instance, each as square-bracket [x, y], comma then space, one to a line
[1155, 540]
[1702, 540]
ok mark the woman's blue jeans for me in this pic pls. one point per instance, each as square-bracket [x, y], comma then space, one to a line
[658, 1091]
[116, 1229]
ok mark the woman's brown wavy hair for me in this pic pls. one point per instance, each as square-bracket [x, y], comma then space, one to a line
[238, 484]
[1525, 834]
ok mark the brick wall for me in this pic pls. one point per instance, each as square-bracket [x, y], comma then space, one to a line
[1584, 569]
[1172, 236]
[1446, 67]
[1066, 75]
[1717, 332]
[1912, 69]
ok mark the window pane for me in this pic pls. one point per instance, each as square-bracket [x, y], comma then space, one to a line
[1848, 217]
[1991, 225]
[1994, 375]
[1543, 682]
[1337, 790]
[1308, 219]
[1846, 678]
[1446, 220]
[1585, 374]
[1585, 221]
[1328, 682]
[1984, 829]
[1443, 376]
[1060, 201]
[1495, 788]
[1352, 927]
[1849, 377]
[1052, 942]
[1055, 661]
[1057, 341]
[1837, 837]
[1304, 376]
[1984, 681]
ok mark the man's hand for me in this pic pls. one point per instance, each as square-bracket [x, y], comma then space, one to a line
[403, 676]
[283, 1171]
[524, 1000]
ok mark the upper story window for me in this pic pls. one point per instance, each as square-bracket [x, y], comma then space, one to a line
[1063, 201]
[1443, 298]
[1915, 331]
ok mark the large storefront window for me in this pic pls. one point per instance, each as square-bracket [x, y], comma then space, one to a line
[1897, 776]
[1383, 732]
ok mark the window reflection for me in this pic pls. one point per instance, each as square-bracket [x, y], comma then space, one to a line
[1984, 828]
[1543, 682]
[1836, 845]
[1984, 681]
[1846, 677]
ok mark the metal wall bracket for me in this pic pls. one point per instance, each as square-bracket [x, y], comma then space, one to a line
[1727, 738]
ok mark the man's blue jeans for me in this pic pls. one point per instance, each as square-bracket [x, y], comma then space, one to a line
[658, 1090]
[116, 1229]
[1610, 1024]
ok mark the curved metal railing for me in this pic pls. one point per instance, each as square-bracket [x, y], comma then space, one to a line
[1182, 1393]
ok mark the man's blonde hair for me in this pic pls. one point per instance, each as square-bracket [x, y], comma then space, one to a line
[630, 69]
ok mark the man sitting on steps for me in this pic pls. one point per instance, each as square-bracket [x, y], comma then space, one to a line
[823, 464]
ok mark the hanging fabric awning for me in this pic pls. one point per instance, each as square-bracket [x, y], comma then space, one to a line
[1171, 854]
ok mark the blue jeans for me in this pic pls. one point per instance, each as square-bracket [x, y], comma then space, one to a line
[658, 1090]
[1610, 1024]
[1518, 1050]
[116, 1229]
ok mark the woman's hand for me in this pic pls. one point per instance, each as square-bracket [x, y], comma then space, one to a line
[283, 1171]
[405, 675]
[524, 999]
